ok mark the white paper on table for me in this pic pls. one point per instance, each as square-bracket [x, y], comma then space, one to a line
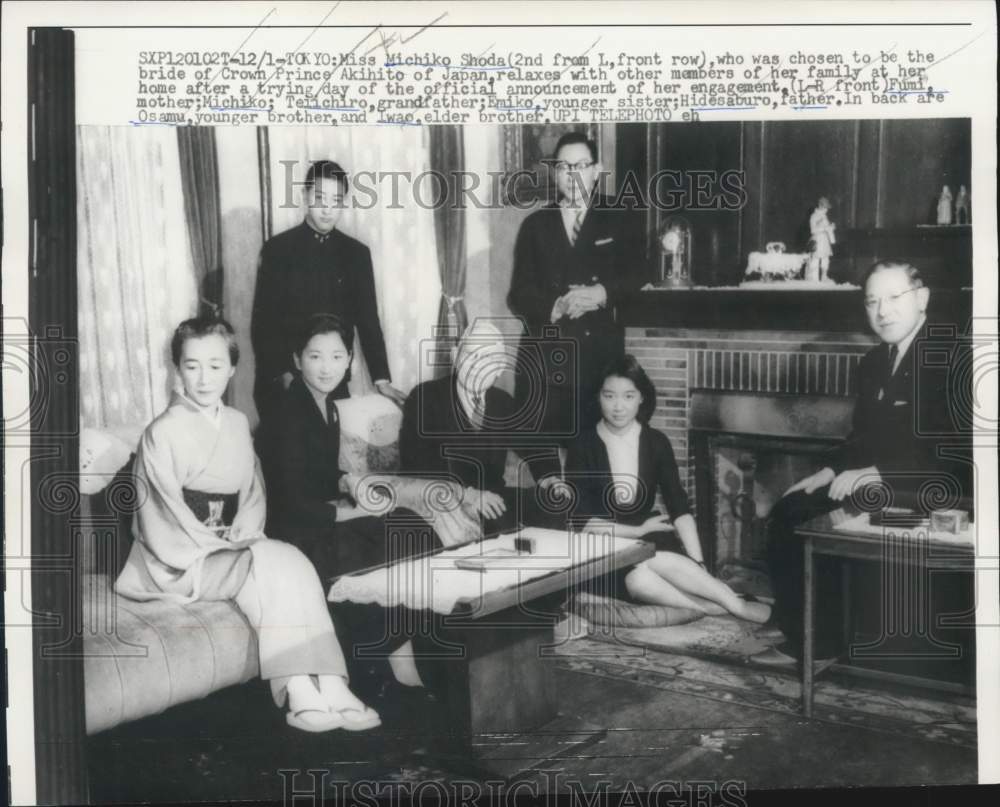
[433, 582]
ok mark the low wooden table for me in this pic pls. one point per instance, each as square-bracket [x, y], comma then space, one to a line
[497, 643]
[851, 540]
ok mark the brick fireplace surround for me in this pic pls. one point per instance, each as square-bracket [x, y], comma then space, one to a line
[760, 364]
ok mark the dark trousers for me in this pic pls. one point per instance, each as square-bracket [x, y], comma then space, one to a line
[368, 633]
[557, 382]
[785, 560]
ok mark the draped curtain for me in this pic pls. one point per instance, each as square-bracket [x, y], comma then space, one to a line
[136, 276]
[200, 184]
[399, 232]
[447, 155]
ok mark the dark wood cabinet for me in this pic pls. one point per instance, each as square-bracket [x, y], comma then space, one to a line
[883, 178]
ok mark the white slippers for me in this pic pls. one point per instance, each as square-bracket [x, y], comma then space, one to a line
[341, 701]
[357, 719]
[310, 709]
[314, 720]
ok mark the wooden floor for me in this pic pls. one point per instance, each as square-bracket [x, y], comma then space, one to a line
[235, 746]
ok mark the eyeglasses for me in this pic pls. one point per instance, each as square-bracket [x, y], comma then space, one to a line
[562, 165]
[873, 303]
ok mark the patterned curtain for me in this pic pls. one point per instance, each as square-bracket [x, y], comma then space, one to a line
[200, 183]
[136, 279]
[448, 158]
[398, 231]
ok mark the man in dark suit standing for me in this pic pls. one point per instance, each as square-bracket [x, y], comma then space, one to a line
[461, 426]
[314, 268]
[899, 419]
[573, 260]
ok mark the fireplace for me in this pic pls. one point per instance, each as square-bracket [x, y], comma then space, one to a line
[748, 450]
[747, 413]
[744, 477]
[751, 388]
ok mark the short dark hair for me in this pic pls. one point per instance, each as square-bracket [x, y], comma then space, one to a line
[571, 139]
[912, 273]
[319, 324]
[199, 327]
[326, 169]
[628, 367]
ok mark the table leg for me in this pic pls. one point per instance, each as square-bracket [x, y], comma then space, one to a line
[503, 683]
[808, 607]
[846, 614]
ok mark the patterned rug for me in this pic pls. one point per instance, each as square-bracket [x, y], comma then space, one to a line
[708, 659]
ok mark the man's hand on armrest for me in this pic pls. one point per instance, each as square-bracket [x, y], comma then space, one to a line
[389, 391]
[485, 502]
[846, 481]
[813, 482]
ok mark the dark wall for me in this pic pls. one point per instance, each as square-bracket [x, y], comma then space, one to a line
[883, 178]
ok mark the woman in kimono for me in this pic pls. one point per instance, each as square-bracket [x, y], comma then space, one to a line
[300, 449]
[199, 536]
[617, 468]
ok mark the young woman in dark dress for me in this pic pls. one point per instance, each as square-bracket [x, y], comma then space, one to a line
[300, 451]
[617, 468]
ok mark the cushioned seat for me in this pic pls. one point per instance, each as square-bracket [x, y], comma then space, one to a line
[143, 657]
[611, 612]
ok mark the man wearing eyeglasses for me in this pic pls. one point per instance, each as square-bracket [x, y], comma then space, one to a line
[894, 411]
[573, 260]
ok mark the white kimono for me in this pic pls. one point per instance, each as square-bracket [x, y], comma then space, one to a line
[178, 556]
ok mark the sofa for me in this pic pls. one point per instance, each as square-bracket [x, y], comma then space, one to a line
[141, 658]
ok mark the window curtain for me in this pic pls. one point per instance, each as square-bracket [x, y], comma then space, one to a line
[200, 185]
[135, 271]
[399, 232]
[447, 159]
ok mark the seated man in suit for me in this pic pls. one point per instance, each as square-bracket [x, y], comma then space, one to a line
[460, 427]
[311, 269]
[899, 419]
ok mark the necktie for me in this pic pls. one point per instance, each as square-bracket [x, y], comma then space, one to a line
[577, 224]
[331, 411]
[893, 353]
[890, 366]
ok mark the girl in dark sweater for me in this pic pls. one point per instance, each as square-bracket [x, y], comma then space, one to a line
[617, 468]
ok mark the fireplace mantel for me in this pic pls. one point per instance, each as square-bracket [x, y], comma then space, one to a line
[760, 309]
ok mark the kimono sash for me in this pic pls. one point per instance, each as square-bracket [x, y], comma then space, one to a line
[215, 510]
[183, 451]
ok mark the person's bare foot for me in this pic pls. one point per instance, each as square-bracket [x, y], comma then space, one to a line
[758, 612]
[404, 666]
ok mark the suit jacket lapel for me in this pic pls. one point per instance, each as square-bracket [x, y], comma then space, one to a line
[460, 421]
[900, 386]
[308, 405]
